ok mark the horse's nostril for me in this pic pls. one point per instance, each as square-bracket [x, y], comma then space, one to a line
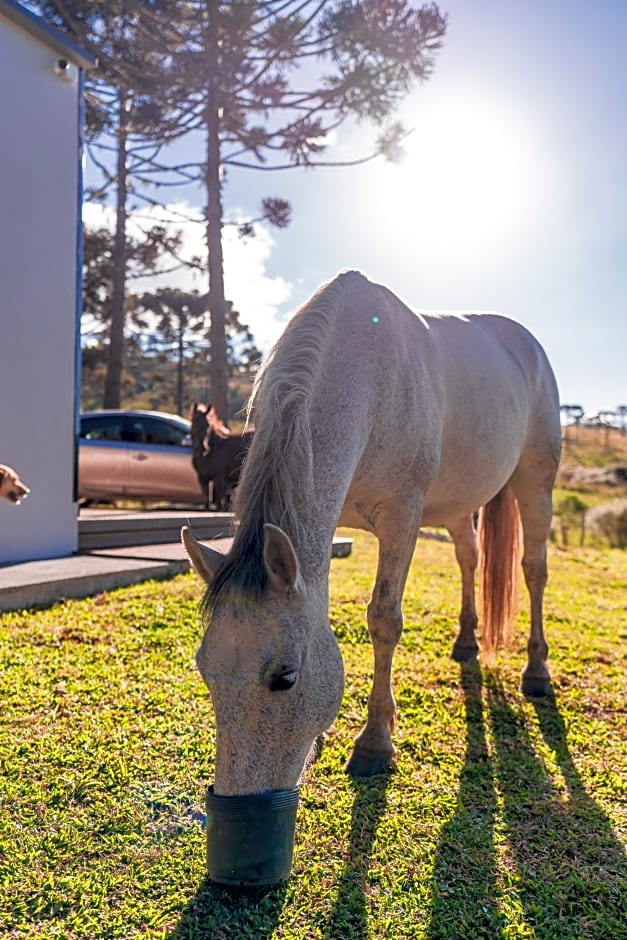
[283, 681]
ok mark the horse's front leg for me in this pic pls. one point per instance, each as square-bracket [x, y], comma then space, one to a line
[374, 750]
[219, 492]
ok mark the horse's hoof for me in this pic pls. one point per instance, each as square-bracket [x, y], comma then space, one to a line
[464, 654]
[364, 763]
[535, 686]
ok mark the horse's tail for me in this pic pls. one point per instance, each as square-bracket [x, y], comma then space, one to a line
[499, 552]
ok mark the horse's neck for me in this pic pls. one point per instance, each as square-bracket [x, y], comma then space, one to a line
[316, 516]
[198, 449]
[300, 488]
[199, 436]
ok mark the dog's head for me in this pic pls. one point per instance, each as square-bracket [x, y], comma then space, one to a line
[11, 487]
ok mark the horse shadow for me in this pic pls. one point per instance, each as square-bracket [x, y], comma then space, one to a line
[564, 840]
[464, 876]
[567, 843]
[558, 836]
[349, 918]
[215, 913]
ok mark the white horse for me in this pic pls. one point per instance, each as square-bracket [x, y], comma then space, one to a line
[368, 415]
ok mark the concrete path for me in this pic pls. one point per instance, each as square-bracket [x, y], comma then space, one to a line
[39, 583]
[117, 547]
[108, 559]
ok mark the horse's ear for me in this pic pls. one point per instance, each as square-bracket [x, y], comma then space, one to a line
[204, 560]
[281, 561]
[192, 410]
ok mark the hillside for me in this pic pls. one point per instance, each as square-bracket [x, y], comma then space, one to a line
[594, 460]
[594, 447]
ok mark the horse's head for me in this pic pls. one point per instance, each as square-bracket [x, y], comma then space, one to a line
[207, 426]
[272, 665]
[200, 425]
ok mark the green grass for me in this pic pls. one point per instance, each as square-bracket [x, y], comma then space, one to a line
[502, 819]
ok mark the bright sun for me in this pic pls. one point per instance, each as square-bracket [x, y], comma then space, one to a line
[472, 176]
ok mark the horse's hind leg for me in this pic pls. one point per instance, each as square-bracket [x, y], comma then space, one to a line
[464, 536]
[374, 750]
[532, 487]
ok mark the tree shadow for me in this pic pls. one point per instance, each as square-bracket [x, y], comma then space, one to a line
[570, 864]
[349, 918]
[464, 877]
[215, 913]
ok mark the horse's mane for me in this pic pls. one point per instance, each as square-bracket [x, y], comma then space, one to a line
[279, 465]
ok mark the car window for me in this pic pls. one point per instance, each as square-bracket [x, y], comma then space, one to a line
[147, 430]
[103, 428]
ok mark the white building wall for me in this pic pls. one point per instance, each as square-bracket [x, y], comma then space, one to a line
[39, 139]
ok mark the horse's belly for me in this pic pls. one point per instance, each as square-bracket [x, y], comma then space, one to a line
[462, 490]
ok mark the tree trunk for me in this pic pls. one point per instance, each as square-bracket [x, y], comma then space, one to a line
[213, 186]
[115, 354]
[179, 368]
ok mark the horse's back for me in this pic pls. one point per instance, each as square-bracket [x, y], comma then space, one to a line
[457, 352]
[366, 403]
[374, 334]
[492, 370]
[501, 408]
[448, 404]
[449, 370]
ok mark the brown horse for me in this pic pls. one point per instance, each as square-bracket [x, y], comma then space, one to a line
[217, 454]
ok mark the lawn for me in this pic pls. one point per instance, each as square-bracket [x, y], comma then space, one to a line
[503, 818]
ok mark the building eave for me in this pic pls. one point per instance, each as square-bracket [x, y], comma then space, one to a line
[48, 34]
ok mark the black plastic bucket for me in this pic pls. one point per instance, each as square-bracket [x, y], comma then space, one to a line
[250, 838]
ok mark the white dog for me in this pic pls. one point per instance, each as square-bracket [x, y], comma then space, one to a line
[11, 487]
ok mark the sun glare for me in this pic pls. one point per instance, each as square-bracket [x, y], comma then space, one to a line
[471, 176]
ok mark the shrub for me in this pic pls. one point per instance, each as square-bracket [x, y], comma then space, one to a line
[572, 514]
[611, 523]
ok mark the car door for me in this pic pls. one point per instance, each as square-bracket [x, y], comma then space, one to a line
[160, 460]
[103, 457]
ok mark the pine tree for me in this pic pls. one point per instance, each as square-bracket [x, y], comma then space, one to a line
[268, 82]
[143, 257]
[265, 83]
[180, 328]
[126, 120]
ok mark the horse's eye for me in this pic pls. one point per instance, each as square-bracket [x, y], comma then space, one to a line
[283, 681]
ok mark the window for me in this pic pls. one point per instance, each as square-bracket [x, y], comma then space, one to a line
[102, 428]
[146, 430]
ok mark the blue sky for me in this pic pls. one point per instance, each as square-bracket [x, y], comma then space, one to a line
[512, 195]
